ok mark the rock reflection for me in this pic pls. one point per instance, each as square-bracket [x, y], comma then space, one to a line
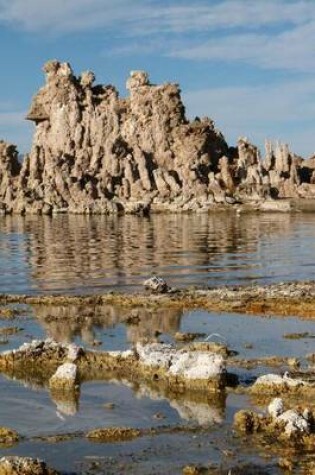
[67, 323]
[201, 411]
[67, 403]
[79, 253]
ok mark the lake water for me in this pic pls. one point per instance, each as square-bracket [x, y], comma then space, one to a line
[96, 254]
[77, 254]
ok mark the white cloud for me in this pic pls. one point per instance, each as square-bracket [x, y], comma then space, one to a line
[292, 49]
[147, 16]
[267, 34]
[269, 111]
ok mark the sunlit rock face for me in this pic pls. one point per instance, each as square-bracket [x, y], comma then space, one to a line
[94, 152]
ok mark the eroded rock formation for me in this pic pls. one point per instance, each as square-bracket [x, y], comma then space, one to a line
[94, 152]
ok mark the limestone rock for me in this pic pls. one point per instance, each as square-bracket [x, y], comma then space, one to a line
[95, 152]
[65, 377]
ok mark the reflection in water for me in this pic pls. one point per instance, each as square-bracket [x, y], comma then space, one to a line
[202, 411]
[205, 409]
[67, 323]
[67, 404]
[90, 254]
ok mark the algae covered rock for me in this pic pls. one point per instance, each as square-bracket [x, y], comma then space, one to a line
[113, 434]
[247, 421]
[8, 436]
[285, 424]
[24, 466]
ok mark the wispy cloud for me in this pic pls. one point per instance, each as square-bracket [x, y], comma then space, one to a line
[292, 49]
[267, 34]
[147, 16]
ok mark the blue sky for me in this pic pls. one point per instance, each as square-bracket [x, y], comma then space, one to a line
[248, 64]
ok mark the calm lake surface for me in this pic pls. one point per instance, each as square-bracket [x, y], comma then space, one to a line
[77, 254]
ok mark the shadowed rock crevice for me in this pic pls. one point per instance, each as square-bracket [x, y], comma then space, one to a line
[95, 152]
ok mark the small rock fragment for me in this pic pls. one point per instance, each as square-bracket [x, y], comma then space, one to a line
[156, 284]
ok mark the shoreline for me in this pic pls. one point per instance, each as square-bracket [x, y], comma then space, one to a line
[281, 299]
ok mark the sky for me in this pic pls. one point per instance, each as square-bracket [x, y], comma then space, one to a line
[247, 64]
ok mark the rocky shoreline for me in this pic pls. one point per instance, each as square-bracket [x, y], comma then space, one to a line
[94, 152]
[282, 299]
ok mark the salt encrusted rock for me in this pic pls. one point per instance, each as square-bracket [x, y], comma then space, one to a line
[36, 348]
[294, 422]
[156, 354]
[14, 465]
[65, 377]
[285, 423]
[276, 407]
[156, 284]
[270, 381]
[195, 365]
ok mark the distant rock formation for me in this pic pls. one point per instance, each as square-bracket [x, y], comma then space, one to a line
[94, 152]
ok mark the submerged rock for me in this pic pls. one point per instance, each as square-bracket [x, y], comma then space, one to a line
[113, 434]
